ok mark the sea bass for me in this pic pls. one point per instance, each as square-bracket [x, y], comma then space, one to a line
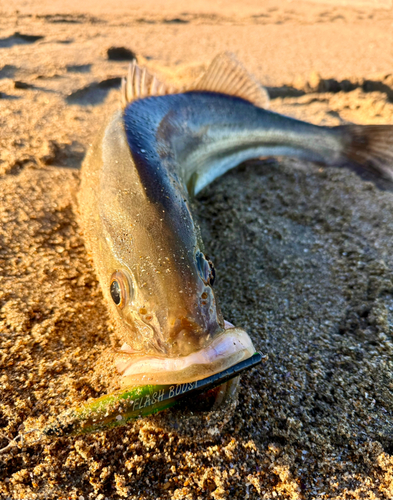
[161, 148]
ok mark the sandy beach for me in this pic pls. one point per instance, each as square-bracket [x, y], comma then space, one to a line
[302, 252]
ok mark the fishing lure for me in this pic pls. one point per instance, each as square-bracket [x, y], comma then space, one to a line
[119, 408]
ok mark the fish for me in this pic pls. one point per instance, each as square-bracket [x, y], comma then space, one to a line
[138, 179]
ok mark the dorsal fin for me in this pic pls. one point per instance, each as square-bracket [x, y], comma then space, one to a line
[224, 75]
[140, 83]
[227, 76]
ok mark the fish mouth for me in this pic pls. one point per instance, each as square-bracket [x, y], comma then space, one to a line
[226, 349]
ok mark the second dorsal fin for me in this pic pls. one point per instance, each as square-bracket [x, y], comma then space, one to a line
[140, 83]
[227, 76]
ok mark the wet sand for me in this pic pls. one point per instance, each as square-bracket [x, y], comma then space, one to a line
[303, 258]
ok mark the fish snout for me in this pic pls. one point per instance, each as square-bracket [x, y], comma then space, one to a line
[225, 350]
[179, 333]
[188, 336]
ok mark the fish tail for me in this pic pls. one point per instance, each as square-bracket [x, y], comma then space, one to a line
[370, 147]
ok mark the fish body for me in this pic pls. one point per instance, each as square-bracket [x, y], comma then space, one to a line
[135, 204]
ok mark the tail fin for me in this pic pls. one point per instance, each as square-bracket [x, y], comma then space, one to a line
[369, 146]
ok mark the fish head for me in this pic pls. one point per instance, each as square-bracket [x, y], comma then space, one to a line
[159, 282]
[149, 258]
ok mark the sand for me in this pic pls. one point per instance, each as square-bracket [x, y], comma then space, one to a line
[303, 258]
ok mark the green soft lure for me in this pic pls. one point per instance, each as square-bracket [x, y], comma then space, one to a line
[114, 410]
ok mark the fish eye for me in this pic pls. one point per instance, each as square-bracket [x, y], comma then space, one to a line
[205, 268]
[120, 289]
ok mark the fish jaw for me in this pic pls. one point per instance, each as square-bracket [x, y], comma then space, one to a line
[226, 349]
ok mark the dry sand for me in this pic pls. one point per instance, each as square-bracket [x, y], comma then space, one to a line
[303, 256]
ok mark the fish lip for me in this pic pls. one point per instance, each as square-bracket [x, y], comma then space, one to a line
[231, 346]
